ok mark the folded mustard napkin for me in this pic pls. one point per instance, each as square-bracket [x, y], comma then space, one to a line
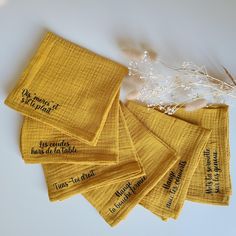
[66, 180]
[115, 201]
[68, 87]
[41, 143]
[166, 199]
[211, 181]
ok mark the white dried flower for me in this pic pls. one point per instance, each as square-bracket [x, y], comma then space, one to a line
[169, 87]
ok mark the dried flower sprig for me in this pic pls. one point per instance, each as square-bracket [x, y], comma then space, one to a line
[170, 88]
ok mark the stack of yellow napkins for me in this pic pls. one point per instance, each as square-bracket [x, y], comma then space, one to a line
[116, 155]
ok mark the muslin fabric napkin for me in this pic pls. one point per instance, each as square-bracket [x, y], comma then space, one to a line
[211, 182]
[167, 198]
[41, 143]
[68, 87]
[66, 180]
[115, 201]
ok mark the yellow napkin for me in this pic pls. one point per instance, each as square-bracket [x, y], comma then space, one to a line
[115, 201]
[166, 199]
[41, 143]
[68, 87]
[211, 181]
[66, 180]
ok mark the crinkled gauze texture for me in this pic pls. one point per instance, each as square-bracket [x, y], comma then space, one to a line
[66, 180]
[41, 143]
[211, 182]
[115, 201]
[167, 197]
[68, 87]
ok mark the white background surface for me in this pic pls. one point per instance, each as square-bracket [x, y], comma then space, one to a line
[199, 31]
